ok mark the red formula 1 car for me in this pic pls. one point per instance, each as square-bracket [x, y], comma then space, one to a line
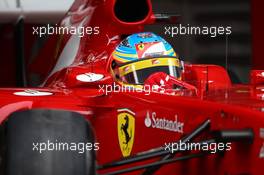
[85, 120]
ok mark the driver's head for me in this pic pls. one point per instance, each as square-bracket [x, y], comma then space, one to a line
[141, 55]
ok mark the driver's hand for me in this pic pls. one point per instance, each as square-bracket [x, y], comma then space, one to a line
[160, 80]
[163, 81]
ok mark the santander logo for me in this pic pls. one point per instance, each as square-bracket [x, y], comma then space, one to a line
[152, 121]
[147, 120]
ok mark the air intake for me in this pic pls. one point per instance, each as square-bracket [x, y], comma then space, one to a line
[131, 11]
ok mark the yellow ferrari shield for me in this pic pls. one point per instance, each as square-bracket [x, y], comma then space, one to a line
[126, 130]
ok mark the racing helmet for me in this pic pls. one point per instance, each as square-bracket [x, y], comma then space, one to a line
[142, 54]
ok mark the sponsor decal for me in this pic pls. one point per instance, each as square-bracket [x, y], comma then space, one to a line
[145, 35]
[31, 92]
[140, 46]
[150, 49]
[152, 121]
[155, 61]
[126, 130]
[125, 43]
[261, 154]
[89, 77]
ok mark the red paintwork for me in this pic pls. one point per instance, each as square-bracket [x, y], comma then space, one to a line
[228, 106]
[257, 77]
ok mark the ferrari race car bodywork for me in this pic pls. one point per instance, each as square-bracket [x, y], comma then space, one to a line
[133, 128]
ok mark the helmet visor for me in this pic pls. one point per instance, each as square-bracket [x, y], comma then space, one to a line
[137, 72]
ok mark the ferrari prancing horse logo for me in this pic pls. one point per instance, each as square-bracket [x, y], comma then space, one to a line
[126, 130]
